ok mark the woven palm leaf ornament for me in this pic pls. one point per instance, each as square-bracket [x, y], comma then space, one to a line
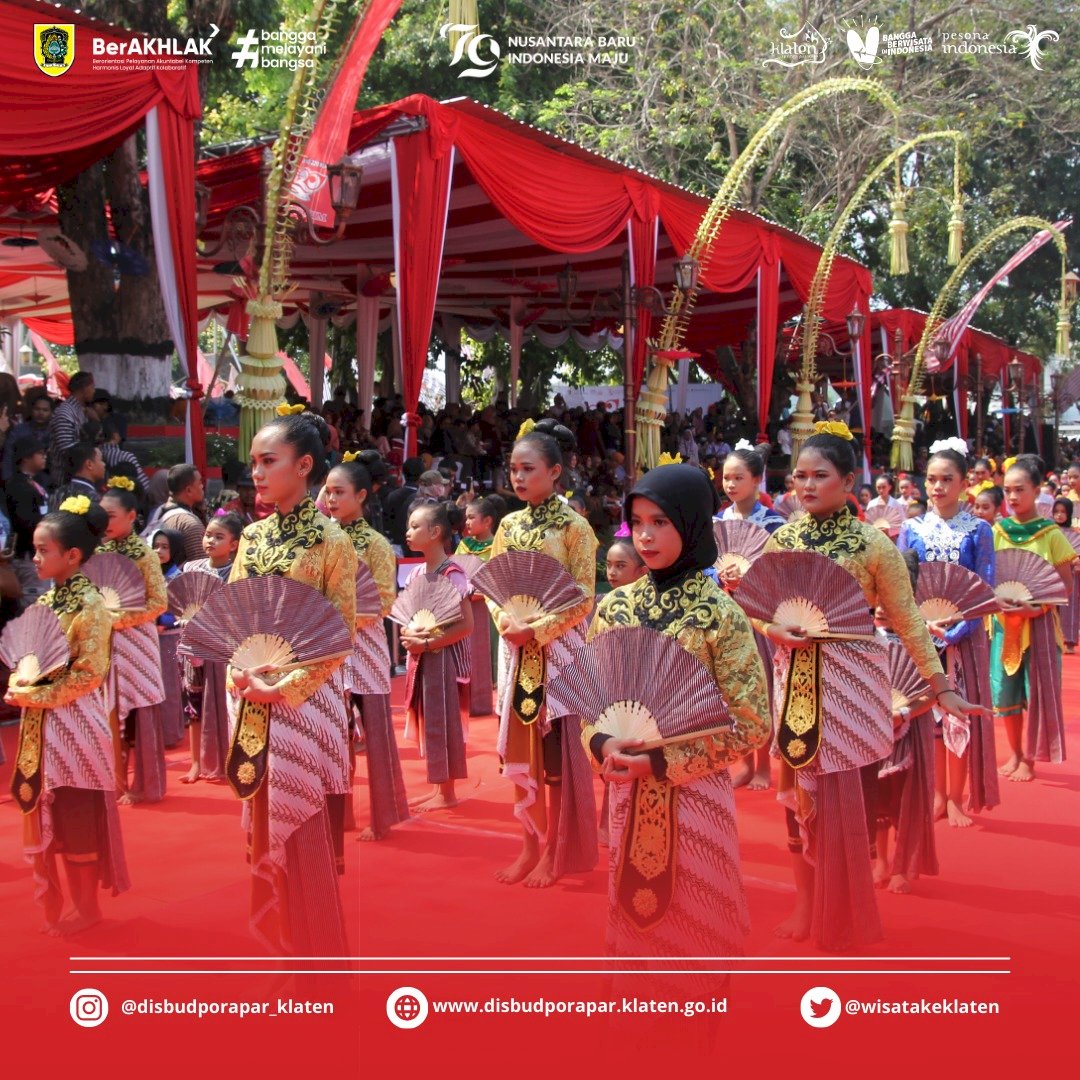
[948, 593]
[187, 592]
[34, 645]
[887, 518]
[1027, 577]
[427, 604]
[528, 585]
[118, 580]
[368, 601]
[739, 544]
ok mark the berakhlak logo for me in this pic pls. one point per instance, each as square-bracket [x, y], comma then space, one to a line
[470, 43]
[864, 50]
[820, 1007]
[88, 1008]
[54, 47]
[407, 1007]
[1030, 42]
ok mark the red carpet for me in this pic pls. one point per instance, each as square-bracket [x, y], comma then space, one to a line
[1007, 889]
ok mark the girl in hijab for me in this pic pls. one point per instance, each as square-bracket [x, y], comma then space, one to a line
[670, 513]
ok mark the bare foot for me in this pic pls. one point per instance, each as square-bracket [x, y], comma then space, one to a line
[1010, 766]
[191, 776]
[438, 801]
[740, 774]
[129, 798]
[77, 923]
[543, 874]
[796, 926]
[760, 781]
[957, 817]
[881, 874]
[899, 884]
[520, 867]
[939, 806]
[370, 834]
[1024, 773]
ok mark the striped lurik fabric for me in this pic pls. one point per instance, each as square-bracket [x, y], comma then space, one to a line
[481, 688]
[434, 715]
[1044, 730]
[576, 850]
[172, 710]
[971, 669]
[215, 730]
[708, 914]
[386, 785]
[915, 852]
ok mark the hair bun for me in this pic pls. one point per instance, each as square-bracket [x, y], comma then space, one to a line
[97, 521]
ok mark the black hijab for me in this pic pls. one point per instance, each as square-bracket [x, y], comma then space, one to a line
[689, 499]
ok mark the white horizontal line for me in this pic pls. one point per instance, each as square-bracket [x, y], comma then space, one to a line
[512, 959]
[544, 971]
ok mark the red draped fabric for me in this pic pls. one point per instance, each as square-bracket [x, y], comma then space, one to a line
[768, 298]
[642, 234]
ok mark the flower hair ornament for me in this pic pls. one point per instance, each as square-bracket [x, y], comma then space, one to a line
[1007, 464]
[669, 459]
[76, 504]
[834, 427]
[744, 444]
[349, 455]
[526, 427]
[124, 483]
[955, 443]
[290, 410]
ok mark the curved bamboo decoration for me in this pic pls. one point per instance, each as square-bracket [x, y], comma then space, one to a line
[904, 431]
[802, 426]
[652, 404]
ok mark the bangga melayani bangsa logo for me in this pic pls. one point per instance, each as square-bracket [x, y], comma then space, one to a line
[54, 47]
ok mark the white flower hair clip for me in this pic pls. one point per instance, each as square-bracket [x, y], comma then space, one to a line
[955, 443]
[744, 444]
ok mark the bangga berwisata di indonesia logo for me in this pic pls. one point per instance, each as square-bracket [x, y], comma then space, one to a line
[54, 47]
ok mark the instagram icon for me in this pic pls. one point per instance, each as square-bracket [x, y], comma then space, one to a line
[88, 1008]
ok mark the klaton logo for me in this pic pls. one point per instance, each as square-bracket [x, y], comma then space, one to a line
[471, 44]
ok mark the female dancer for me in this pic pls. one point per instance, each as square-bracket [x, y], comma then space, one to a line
[1025, 649]
[66, 786]
[695, 907]
[835, 903]
[950, 532]
[1070, 615]
[367, 670]
[743, 469]
[205, 703]
[135, 689]
[535, 751]
[168, 546]
[297, 788]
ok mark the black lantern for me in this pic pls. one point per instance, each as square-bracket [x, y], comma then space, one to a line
[1016, 373]
[567, 285]
[1072, 286]
[856, 320]
[686, 274]
[344, 180]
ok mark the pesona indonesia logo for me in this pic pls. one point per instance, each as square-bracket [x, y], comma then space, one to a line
[482, 50]
[797, 47]
[1030, 42]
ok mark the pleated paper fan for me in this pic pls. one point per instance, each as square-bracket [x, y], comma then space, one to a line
[266, 621]
[604, 684]
[427, 603]
[469, 563]
[528, 584]
[886, 518]
[368, 601]
[1023, 575]
[790, 507]
[807, 590]
[739, 543]
[189, 591]
[904, 678]
[118, 580]
[34, 645]
[1073, 536]
[948, 592]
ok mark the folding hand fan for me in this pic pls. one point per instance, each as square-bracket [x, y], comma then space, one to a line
[266, 621]
[904, 678]
[739, 544]
[790, 507]
[368, 601]
[886, 518]
[34, 645]
[947, 592]
[604, 683]
[1073, 536]
[1023, 575]
[118, 580]
[469, 563]
[807, 590]
[528, 584]
[189, 591]
[427, 603]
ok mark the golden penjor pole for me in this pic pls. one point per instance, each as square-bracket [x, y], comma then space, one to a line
[652, 404]
[802, 422]
[904, 430]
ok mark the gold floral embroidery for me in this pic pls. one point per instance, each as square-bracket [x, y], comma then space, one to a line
[360, 533]
[798, 735]
[132, 546]
[650, 844]
[70, 597]
[645, 902]
[834, 536]
[526, 529]
[272, 544]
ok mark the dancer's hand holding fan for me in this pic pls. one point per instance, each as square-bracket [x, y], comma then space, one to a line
[739, 544]
[427, 605]
[1024, 582]
[947, 593]
[34, 647]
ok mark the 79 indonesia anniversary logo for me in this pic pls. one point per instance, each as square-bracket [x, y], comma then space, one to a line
[54, 47]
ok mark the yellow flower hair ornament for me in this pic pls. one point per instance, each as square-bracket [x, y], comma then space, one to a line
[979, 488]
[76, 504]
[1008, 463]
[526, 427]
[993, 464]
[125, 483]
[833, 427]
[349, 455]
[669, 459]
[289, 410]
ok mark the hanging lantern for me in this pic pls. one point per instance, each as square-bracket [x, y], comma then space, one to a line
[1062, 348]
[956, 232]
[898, 230]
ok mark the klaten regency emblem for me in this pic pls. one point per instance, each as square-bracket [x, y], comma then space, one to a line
[54, 47]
